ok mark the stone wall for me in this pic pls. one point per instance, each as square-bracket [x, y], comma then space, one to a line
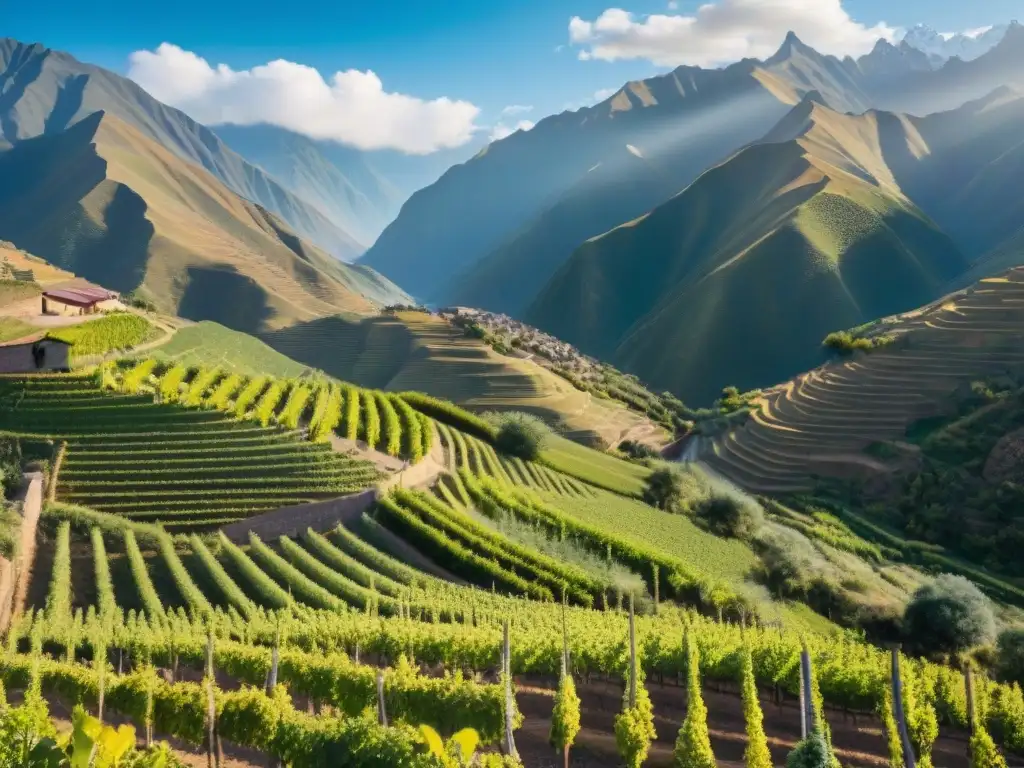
[291, 521]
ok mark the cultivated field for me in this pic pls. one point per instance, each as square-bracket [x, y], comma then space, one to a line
[820, 422]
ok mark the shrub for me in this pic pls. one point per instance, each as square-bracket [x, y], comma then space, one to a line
[637, 450]
[693, 744]
[949, 615]
[520, 434]
[730, 515]
[1010, 655]
[812, 752]
[664, 490]
[10, 464]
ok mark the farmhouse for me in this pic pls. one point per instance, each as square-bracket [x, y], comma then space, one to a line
[33, 354]
[78, 299]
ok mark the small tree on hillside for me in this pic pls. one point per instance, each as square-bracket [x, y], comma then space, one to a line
[949, 615]
[664, 489]
[730, 515]
[520, 434]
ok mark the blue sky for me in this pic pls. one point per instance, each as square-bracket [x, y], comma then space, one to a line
[492, 53]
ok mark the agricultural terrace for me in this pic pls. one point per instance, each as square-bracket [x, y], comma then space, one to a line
[115, 332]
[160, 462]
[211, 345]
[100, 591]
[416, 351]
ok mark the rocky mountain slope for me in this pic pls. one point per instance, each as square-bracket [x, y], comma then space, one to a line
[737, 279]
[103, 200]
[46, 91]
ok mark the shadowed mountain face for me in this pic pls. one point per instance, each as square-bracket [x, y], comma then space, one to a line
[106, 202]
[336, 180]
[43, 92]
[736, 280]
[493, 229]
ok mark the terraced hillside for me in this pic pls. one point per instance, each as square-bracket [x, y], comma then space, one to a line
[415, 351]
[820, 422]
[162, 462]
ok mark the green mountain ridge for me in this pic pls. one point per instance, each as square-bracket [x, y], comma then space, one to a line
[699, 294]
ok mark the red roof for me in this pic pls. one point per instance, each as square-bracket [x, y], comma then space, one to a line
[83, 296]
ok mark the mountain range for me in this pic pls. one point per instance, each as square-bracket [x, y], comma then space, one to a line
[701, 228]
[941, 47]
[98, 177]
[606, 228]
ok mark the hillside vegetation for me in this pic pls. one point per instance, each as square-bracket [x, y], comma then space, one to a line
[820, 422]
[135, 217]
[415, 351]
[50, 91]
[700, 293]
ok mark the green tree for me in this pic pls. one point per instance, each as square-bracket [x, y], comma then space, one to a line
[520, 434]
[1010, 655]
[693, 745]
[565, 718]
[730, 515]
[664, 489]
[983, 750]
[812, 752]
[634, 728]
[757, 754]
[948, 615]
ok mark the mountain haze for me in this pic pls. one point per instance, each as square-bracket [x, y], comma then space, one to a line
[45, 91]
[337, 180]
[529, 199]
[106, 202]
[736, 280]
[681, 122]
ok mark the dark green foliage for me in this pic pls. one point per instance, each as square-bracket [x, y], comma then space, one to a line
[637, 450]
[451, 414]
[730, 515]
[1010, 655]
[520, 434]
[812, 752]
[949, 615]
[664, 490]
[10, 464]
[846, 343]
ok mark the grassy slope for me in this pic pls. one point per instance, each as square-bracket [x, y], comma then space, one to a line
[414, 351]
[12, 328]
[43, 273]
[211, 345]
[119, 209]
[737, 279]
[600, 469]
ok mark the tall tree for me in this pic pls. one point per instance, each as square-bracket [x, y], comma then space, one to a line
[693, 745]
[757, 754]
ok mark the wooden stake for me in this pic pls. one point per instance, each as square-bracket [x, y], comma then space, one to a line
[897, 707]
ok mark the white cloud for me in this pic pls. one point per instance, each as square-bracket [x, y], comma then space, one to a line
[502, 131]
[517, 109]
[602, 94]
[723, 31]
[673, 5]
[352, 107]
[976, 33]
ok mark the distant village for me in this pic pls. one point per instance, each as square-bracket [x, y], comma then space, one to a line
[521, 339]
